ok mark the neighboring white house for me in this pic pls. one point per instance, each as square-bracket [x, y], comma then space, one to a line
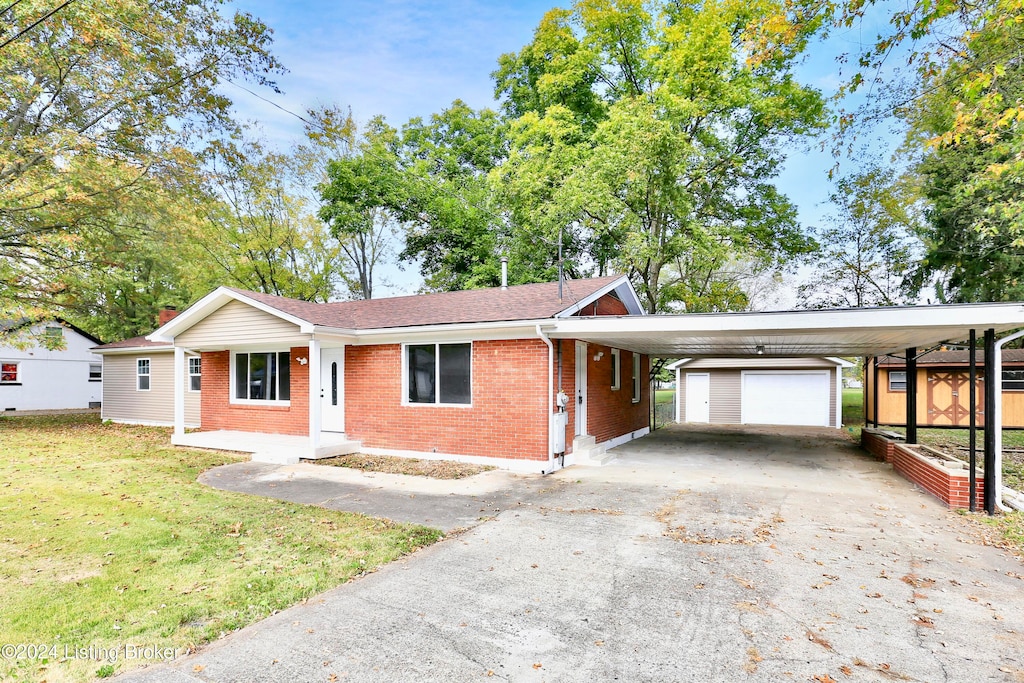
[39, 378]
[772, 391]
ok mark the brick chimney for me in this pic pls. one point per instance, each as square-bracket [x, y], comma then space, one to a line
[166, 315]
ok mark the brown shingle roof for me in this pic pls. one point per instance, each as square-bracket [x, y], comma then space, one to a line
[521, 302]
[953, 357]
[134, 342]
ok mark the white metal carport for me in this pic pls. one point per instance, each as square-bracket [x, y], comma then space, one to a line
[833, 332]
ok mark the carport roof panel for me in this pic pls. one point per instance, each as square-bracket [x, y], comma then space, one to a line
[833, 332]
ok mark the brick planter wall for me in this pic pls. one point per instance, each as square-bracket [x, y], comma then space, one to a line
[219, 413]
[951, 486]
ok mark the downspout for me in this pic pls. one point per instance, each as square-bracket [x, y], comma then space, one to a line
[551, 400]
[998, 372]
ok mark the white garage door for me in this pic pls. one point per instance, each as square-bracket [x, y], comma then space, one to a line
[783, 397]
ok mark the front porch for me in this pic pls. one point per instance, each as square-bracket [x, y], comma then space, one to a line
[281, 449]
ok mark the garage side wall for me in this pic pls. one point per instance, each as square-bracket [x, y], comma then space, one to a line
[726, 391]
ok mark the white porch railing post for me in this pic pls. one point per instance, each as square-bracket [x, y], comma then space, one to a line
[314, 394]
[179, 391]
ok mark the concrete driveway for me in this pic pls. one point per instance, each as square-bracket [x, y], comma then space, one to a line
[700, 554]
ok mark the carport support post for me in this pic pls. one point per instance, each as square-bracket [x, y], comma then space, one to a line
[990, 421]
[972, 433]
[912, 395]
[874, 392]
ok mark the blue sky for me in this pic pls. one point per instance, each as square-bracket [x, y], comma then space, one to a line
[403, 58]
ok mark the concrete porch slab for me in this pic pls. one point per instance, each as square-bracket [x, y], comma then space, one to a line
[280, 449]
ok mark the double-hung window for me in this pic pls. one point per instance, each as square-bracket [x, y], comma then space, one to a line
[195, 373]
[262, 376]
[636, 377]
[142, 376]
[439, 373]
[9, 373]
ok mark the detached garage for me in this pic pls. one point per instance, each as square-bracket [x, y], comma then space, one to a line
[770, 391]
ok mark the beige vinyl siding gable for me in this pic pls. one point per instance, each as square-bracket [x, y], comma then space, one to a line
[123, 402]
[239, 324]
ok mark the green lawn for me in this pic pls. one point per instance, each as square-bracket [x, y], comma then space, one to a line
[664, 396]
[108, 541]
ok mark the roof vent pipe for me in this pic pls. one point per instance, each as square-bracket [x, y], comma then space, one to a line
[504, 272]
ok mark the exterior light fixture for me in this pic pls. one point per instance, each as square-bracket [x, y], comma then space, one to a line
[759, 350]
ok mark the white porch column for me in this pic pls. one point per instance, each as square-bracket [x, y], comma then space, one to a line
[179, 391]
[314, 394]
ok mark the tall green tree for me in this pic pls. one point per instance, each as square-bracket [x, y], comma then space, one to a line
[652, 133]
[103, 108]
[868, 248]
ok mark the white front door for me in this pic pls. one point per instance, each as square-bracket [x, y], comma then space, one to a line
[698, 397]
[581, 388]
[332, 390]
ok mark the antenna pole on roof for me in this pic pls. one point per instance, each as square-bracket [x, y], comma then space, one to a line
[559, 262]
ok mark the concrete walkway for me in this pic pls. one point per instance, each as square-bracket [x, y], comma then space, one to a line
[699, 555]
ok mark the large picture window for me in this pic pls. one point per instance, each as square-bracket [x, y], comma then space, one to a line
[263, 376]
[439, 373]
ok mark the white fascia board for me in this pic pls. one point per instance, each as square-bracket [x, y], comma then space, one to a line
[678, 364]
[621, 286]
[519, 329]
[211, 303]
[843, 363]
[960, 316]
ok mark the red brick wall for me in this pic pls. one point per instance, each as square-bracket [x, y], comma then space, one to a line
[952, 488]
[508, 417]
[606, 305]
[219, 413]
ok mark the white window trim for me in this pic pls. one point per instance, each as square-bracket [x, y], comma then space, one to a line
[277, 403]
[616, 369]
[889, 381]
[17, 373]
[637, 390]
[149, 373]
[436, 404]
[188, 387]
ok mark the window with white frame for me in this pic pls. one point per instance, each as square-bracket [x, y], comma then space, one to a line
[616, 369]
[636, 377]
[9, 373]
[142, 374]
[195, 373]
[95, 372]
[439, 373]
[264, 376]
[897, 380]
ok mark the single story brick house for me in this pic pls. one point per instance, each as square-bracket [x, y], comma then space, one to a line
[943, 388]
[469, 375]
[771, 391]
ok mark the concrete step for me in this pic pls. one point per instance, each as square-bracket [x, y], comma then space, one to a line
[331, 445]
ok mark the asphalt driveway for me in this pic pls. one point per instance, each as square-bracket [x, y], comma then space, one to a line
[700, 554]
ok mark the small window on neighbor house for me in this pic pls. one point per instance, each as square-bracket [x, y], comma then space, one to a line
[897, 380]
[95, 372]
[142, 374]
[195, 373]
[54, 332]
[439, 373]
[1013, 380]
[616, 369]
[9, 373]
[636, 377]
[263, 376]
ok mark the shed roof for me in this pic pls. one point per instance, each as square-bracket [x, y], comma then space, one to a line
[951, 357]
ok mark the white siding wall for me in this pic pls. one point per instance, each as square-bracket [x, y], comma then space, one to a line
[122, 402]
[51, 379]
[237, 324]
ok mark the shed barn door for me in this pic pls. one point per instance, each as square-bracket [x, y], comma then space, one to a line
[949, 396]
